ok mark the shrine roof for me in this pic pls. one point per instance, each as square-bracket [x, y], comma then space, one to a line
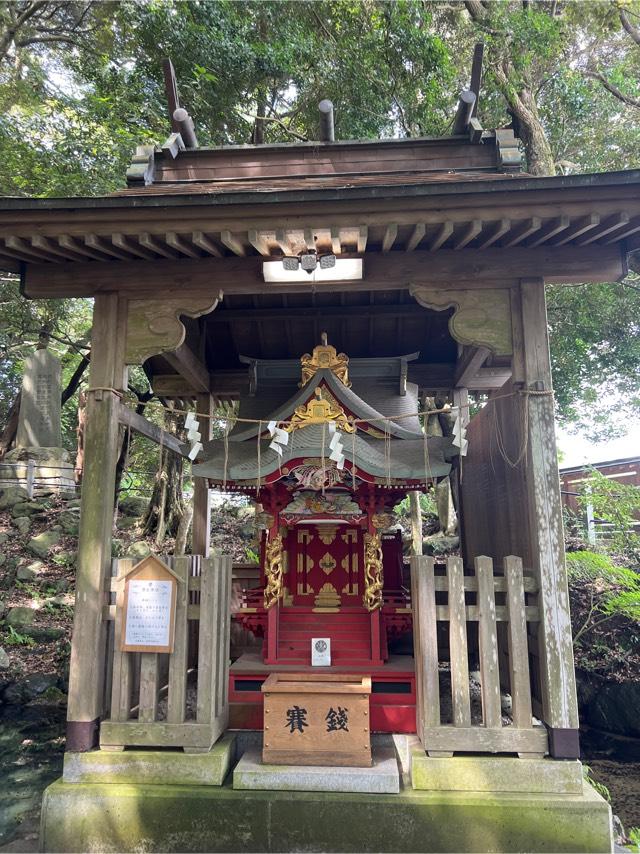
[373, 401]
[397, 461]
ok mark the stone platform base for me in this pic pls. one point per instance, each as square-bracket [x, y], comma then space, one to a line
[382, 777]
[152, 767]
[495, 774]
[119, 817]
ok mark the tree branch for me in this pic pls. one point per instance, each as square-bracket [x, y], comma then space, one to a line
[634, 32]
[626, 99]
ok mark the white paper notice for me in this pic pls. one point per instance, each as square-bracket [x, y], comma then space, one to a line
[148, 613]
[321, 652]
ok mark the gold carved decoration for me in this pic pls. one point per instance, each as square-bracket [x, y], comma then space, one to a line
[327, 533]
[319, 411]
[327, 597]
[482, 317]
[327, 564]
[381, 520]
[274, 571]
[325, 356]
[154, 326]
[373, 578]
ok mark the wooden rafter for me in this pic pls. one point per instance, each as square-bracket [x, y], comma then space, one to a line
[187, 364]
[232, 243]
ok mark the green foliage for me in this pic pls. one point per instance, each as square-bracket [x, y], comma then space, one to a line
[617, 504]
[14, 638]
[613, 591]
[633, 836]
[600, 788]
[252, 555]
[427, 505]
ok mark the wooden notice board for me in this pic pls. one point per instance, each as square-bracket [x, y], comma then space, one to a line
[316, 719]
[149, 607]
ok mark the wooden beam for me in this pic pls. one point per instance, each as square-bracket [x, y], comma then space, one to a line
[133, 248]
[232, 243]
[393, 271]
[634, 228]
[363, 233]
[612, 223]
[80, 247]
[471, 231]
[476, 74]
[417, 234]
[44, 243]
[150, 242]
[520, 234]
[443, 233]
[228, 384]
[100, 244]
[29, 252]
[336, 245]
[555, 226]
[186, 363]
[142, 425]
[86, 701]
[577, 228]
[283, 243]
[203, 242]
[257, 240]
[390, 234]
[494, 234]
[177, 242]
[468, 366]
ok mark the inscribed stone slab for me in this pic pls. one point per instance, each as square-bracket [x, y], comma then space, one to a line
[39, 419]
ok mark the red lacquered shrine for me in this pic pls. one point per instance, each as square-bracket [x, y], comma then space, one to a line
[328, 467]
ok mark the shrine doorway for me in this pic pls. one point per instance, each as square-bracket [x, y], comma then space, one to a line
[326, 565]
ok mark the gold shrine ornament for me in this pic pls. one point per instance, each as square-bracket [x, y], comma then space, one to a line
[319, 411]
[325, 357]
[274, 571]
[373, 576]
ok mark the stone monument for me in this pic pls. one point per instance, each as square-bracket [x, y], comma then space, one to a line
[38, 462]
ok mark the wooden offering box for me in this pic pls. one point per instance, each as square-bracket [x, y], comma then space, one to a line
[316, 719]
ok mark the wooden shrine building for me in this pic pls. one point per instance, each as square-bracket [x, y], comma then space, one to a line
[424, 263]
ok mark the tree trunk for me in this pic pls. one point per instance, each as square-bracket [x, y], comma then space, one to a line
[166, 506]
[533, 135]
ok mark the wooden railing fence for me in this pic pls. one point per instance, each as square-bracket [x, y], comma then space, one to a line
[159, 699]
[468, 604]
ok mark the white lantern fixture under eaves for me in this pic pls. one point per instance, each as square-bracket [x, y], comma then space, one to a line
[310, 267]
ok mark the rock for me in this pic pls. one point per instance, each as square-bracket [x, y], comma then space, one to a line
[43, 634]
[3, 608]
[42, 544]
[3, 538]
[438, 544]
[74, 502]
[66, 558]
[28, 508]
[124, 523]
[137, 551]
[38, 683]
[20, 617]
[22, 523]
[133, 505]
[3, 559]
[4, 659]
[69, 522]
[30, 571]
[10, 495]
[117, 547]
[61, 585]
[60, 599]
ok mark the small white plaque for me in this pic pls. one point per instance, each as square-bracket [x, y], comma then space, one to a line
[321, 652]
[149, 613]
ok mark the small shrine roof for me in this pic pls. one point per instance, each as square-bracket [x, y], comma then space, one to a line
[406, 460]
[391, 404]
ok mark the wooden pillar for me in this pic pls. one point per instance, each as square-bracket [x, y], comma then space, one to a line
[461, 402]
[201, 530]
[88, 649]
[416, 522]
[532, 373]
